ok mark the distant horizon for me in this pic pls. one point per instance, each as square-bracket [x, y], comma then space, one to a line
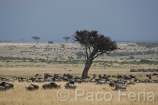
[70, 41]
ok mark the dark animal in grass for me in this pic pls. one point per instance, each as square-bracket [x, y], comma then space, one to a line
[35, 86]
[70, 86]
[111, 84]
[7, 85]
[101, 82]
[2, 88]
[51, 85]
[30, 88]
[119, 87]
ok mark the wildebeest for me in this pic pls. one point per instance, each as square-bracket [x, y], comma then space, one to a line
[149, 76]
[2, 88]
[21, 79]
[4, 79]
[92, 80]
[35, 86]
[69, 76]
[38, 75]
[144, 70]
[119, 87]
[155, 74]
[46, 75]
[78, 80]
[111, 84]
[32, 87]
[130, 83]
[70, 86]
[102, 81]
[51, 85]
[94, 76]
[7, 85]
[57, 77]
[106, 77]
[132, 76]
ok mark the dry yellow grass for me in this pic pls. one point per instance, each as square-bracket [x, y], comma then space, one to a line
[19, 96]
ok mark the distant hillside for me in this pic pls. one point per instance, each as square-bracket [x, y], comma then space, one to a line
[73, 51]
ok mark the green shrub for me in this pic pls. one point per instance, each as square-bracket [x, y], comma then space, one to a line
[131, 57]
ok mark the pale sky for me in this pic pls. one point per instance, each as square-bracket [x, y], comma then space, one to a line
[122, 20]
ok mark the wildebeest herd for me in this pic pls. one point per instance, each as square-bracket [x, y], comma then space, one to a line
[116, 82]
[144, 70]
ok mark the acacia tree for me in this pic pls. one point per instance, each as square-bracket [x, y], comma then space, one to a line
[36, 38]
[80, 54]
[66, 38]
[94, 44]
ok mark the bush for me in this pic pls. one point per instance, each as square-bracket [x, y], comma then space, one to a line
[131, 57]
[50, 61]
[145, 61]
[50, 42]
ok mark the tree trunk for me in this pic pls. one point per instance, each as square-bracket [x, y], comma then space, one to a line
[37, 41]
[86, 68]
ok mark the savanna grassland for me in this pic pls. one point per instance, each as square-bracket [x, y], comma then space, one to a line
[26, 60]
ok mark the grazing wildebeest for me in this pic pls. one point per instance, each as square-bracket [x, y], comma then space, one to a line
[7, 85]
[99, 76]
[21, 79]
[121, 81]
[130, 83]
[127, 77]
[37, 75]
[69, 76]
[106, 77]
[93, 80]
[51, 86]
[35, 86]
[149, 76]
[94, 76]
[78, 80]
[85, 80]
[2, 88]
[114, 76]
[111, 84]
[119, 76]
[65, 78]
[4, 79]
[155, 74]
[137, 80]
[70, 86]
[119, 87]
[102, 81]
[30, 88]
[57, 77]
[46, 75]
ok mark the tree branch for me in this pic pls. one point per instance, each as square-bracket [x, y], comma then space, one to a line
[86, 53]
[107, 52]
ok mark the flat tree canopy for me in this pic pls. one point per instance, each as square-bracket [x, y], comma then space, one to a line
[66, 38]
[95, 44]
[36, 38]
